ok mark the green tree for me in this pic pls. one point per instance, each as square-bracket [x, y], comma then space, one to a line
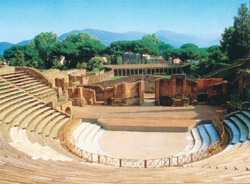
[119, 48]
[82, 66]
[203, 54]
[26, 55]
[189, 51]
[89, 49]
[143, 47]
[241, 35]
[236, 40]
[96, 64]
[163, 47]
[20, 58]
[154, 41]
[67, 50]
[45, 42]
[170, 53]
[227, 42]
[214, 53]
[1, 59]
[189, 46]
[79, 38]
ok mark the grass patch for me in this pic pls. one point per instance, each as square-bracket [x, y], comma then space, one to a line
[117, 77]
[165, 76]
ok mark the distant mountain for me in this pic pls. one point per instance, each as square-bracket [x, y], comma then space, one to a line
[175, 39]
[107, 37]
[23, 42]
[6, 45]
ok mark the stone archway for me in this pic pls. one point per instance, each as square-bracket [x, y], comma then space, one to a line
[68, 110]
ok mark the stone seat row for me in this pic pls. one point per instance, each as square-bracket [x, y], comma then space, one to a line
[26, 113]
[29, 84]
[236, 156]
[18, 167]
[203, 135]
[238, 126]
[86, 137]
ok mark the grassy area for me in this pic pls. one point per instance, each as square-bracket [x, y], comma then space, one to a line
[117, 77]
[166, 76]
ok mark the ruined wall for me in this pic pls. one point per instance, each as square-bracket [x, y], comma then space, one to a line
[149, 82]
[204, 83]
[77, 80]
[55, 74]
[6, 69]
[241, 85]
[219, 93]
[108, 94]
[80, 79]
[67, 107]
[125, 94]
[99, 91]
[100, 76]
[165, 90]
[175, 91]
[75, 77]
[191, 90]
[81, 96]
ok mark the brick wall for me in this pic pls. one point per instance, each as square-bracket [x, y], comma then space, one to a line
[177, 88]
[6, 69]
[54, 74]
[108, 94]
[99, 91]
[204, 83]
[218, 93]
[149, 82]
[82, 96]
[76, 79]
[124, 94]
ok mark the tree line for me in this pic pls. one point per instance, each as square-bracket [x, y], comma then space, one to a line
[84, 51]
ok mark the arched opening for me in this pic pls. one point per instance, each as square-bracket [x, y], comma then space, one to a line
[50, 104]
[68, 110]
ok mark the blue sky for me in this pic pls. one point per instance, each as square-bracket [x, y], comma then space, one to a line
[23, 19]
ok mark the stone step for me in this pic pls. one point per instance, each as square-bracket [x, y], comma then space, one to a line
[234, 130]
[241, 127]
